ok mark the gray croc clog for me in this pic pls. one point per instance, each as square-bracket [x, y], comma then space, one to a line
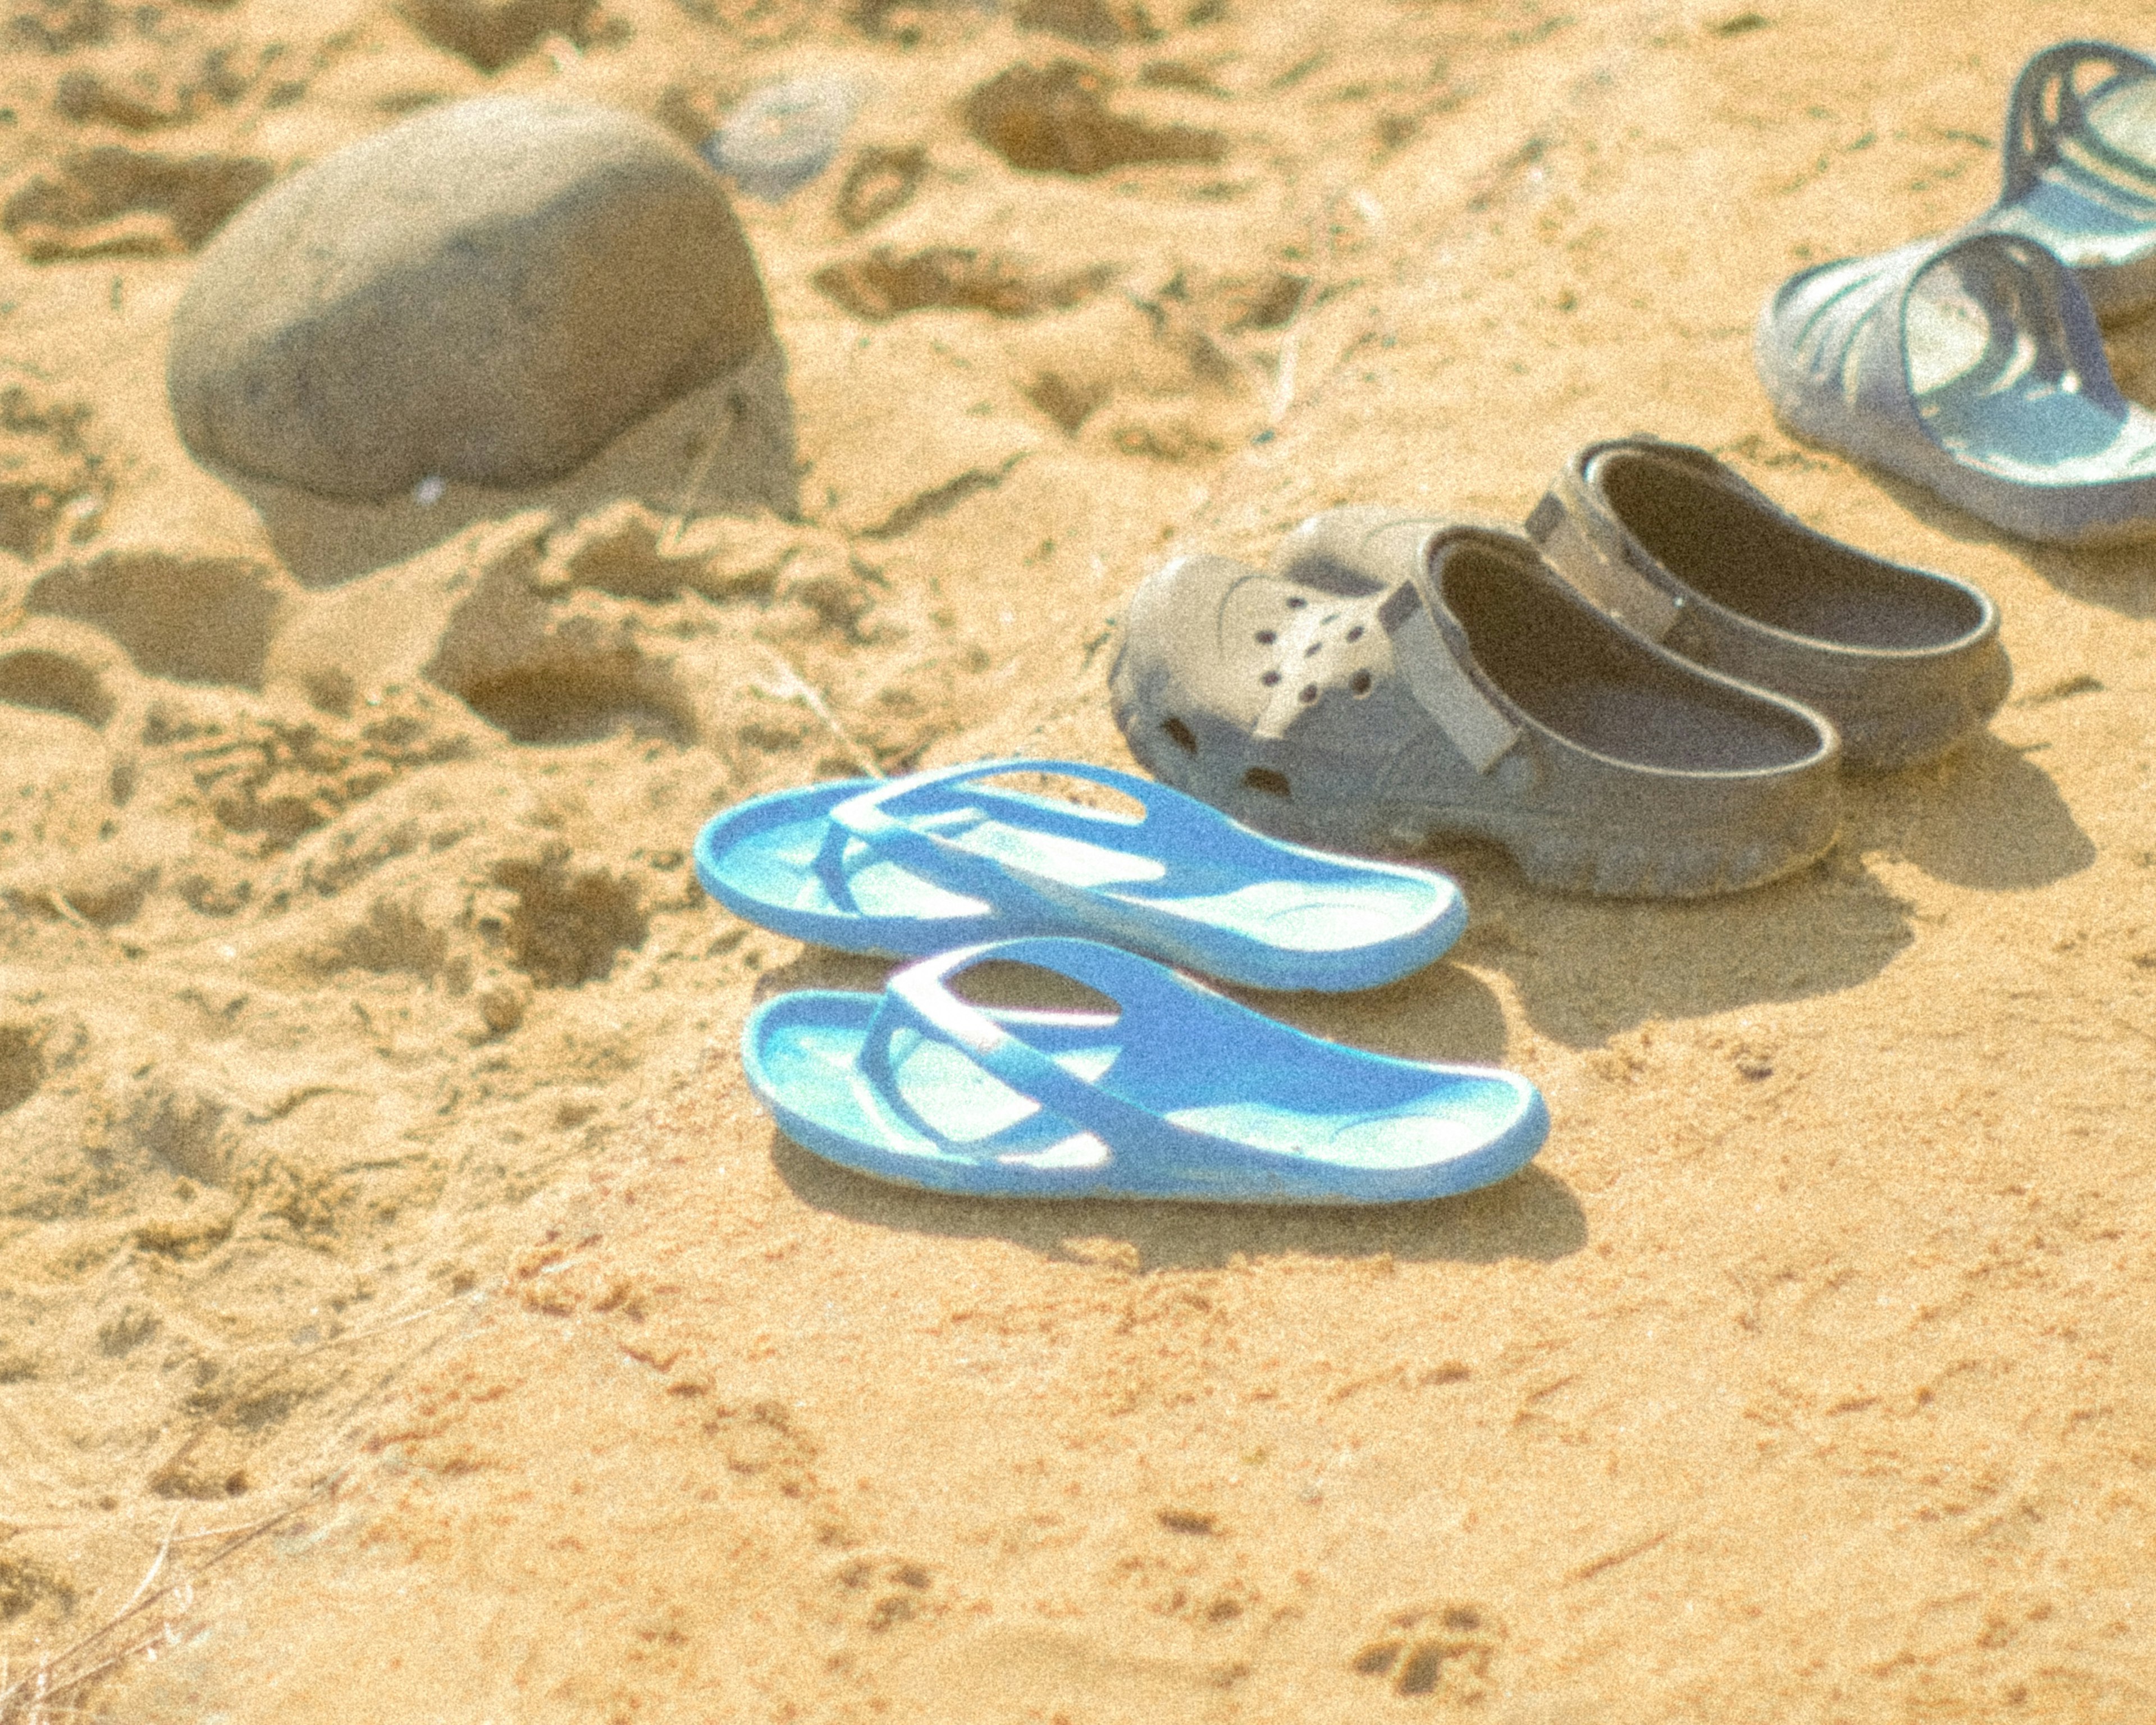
[1395, 679]
[1972, 366]
[1676, 543]
[2079, 169]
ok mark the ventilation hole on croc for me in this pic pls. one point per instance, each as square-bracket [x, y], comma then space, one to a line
[1309, 694]
[1356, 633]
[1269, 678]
[1297, 605]
[1264, 778]
[1360, 683]
[1266, 638]
[1178, 733]
[1310, 651]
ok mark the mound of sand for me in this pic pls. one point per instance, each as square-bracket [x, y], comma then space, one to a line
[389, 1252]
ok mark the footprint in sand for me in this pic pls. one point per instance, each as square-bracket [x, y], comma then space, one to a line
[1440, 1653]
[1056, 120]
[26, 1584]
[553, 669]
[1096, 23]
[153, 94]
[492, 34]
[884, 285]
[54, 476]
[60, 25]
[881, 182]
[113, 202]
[21, 1065]
[193, 619]
[882, 1591]
[563, 926]
[49, 682]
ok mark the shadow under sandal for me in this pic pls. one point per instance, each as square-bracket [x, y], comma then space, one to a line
[1173, 1093]
[1972, 366]
[1397, 681]
[2079, 169]
[1907, 663]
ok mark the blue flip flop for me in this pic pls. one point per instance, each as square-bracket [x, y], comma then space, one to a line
[1180, 1094]
[907, 867]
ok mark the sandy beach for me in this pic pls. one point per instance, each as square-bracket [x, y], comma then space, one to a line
[406, 1312]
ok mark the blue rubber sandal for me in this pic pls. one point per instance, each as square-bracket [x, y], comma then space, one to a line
[907, 867]
[1181, 1094]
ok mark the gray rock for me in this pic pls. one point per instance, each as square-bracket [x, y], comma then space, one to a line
[489, 292]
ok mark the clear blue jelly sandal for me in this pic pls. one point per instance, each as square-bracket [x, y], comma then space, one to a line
[1972, 366]
[906, 867]
[2079, 162]
[1176, 1093]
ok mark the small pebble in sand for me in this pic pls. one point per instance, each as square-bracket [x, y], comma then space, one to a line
[784, 135]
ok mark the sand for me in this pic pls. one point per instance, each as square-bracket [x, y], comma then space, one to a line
[393, 1264]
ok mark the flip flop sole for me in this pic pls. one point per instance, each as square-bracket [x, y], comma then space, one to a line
[1184, 884]
[1459, 1129]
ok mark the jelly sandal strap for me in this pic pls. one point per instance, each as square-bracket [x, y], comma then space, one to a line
[2047, 107]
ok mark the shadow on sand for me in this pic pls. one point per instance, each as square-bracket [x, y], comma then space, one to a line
[1532, 1215]
[1986, 818]
[1586, 968]
[726, 448]
[2117, 578]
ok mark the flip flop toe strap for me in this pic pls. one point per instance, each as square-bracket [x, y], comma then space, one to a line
[878, 818]
[919, 999]
[831, 871]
